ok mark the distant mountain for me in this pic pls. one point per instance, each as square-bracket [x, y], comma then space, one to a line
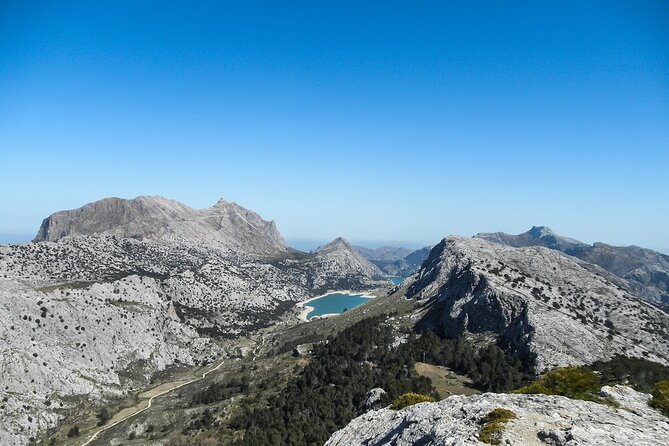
[384, 253]
[547, 308]
[225, 225]
[405, 266]
[345, 258]
[536, 236]
[645, 270]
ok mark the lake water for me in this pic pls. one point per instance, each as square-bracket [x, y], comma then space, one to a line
[335, 303]
[395, 279]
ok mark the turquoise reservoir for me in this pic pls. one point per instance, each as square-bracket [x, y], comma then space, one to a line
[335, 303]
[396, 279]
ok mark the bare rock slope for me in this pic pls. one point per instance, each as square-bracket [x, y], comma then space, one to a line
[541, 420]
[544, 306]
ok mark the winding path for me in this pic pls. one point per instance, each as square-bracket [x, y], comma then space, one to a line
[176, 385]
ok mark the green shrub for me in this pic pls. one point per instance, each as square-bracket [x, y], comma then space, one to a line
[103, 416]
[660, 399]
[409, 399]
[638, 373]
[493, 425]
[73, 432]
[573, 382]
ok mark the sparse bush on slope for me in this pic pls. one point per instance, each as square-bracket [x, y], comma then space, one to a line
[573, 382]
[493, 425]
[660, 399]
[409, 399]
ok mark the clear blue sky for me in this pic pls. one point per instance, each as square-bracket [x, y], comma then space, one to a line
[396, 123]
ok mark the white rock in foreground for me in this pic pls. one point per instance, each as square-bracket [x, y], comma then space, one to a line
[542, 420]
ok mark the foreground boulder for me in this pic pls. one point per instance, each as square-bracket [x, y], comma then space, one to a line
[539, 420]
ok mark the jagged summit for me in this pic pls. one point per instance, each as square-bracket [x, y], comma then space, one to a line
[334, 245]
[341, 253]
[225, 225]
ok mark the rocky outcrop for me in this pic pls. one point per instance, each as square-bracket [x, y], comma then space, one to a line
[225, 225]
[544, 306]
[374, 399]
[540, 420]
[646, 272]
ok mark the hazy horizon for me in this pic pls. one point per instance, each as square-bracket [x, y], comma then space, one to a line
[406, 123]
[308, 244]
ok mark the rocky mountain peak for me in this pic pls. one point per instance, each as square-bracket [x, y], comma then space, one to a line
[336, 244]
[546, 306]
[226, 225]
[221, 202]
[340, 252]
[541, 231]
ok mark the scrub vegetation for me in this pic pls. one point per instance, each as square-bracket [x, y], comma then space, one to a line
[493, 425]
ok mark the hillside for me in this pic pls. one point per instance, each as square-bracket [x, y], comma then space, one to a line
[88, 318]
[545, 307]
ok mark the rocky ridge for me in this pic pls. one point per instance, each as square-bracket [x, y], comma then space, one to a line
[541, 420]
[545, 307]
[645, 271]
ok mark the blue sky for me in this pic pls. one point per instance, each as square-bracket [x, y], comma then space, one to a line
[401, 123]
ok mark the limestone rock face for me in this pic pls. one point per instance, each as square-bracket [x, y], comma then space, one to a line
[541, 420]
[539, 302]
[225, 225]
[374, 399]
[645, 272]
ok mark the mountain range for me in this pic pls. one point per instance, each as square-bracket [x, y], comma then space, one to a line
[120, 296]
[646, 271]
